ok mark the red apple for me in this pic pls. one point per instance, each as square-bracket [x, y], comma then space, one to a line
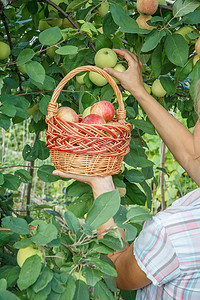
[93, 119]
[67, 114]
[105, 109]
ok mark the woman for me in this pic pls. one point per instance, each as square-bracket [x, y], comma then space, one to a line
[164, 261]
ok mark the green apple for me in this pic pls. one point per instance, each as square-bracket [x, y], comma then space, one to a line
[4, 50]
[147, 88]
[24, 253]
[79, 78]
[119, 68]
[97, 79]
[86, 112]
[55, 22]
[43, 25]
[32, 109]
[185, 30]
[157, 89]
[105, 57]
[21, 69]
[103, 8]
[51, 52]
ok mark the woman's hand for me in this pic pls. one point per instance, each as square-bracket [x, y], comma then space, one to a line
[99, 184]
[131, 79]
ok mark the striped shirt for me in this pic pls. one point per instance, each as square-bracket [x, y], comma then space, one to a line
[168, 251]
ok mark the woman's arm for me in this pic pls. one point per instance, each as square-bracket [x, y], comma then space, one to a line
[129, 274]
[177, 137]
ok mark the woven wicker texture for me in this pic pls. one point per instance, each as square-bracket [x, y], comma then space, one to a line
[87, 149]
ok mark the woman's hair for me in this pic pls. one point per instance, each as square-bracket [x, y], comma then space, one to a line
[197, 98]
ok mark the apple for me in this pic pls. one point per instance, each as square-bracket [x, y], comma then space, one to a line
[66, 23]
[55, 22]
[21, 69]
[103, 8]
[93, 119]
[119, 68]
[43, 25]
[97, 78]
[105, 109]
[157, 89]
[195, 59]
[147, 7]
[67, 114]
[79, 78]
[51, 52]
[183, 31]
[25, 253]
[147, 88]
[142, 22]
[86, 112]
[4, 50]
[197, 46]
[105, 57]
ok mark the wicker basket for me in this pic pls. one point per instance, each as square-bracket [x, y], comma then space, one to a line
[87, 149]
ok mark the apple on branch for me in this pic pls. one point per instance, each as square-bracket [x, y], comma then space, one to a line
[93, 119]
[97, 78]
[86, 112]
[119, 68]
[147, 7]
[157, 89]
[4, 50]
[67, 114]
[105, 109]
[80, 78]
[105, 57]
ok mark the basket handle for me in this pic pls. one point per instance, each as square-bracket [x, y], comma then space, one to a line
[53, 106]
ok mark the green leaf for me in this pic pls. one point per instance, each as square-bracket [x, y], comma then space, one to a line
[10, 273]
[8, 110]
[130, 232]
[70, 289]
[168, 85]
[113, 240]
[67, 50]
[75, 4]
[43, 104]
[24, 56]
[92, 276]
[138, 214]
[17, 225]
[44, 234]
[72, 221]
[101, 292]
[103, 266]
[11, 182]
[50, 36]
[128, 295]
[176, 49]
[22, 243]
[35, 71]
[29, 154]
[156, 60]
[43, 280]
[45, 173]
[77, 189]
[182, 73]
[4, 121]
[24, 176]
[3, 284]
[144, 126]
[181, 8]
[134, 194]
[18, 101]
[134, 175]
[6, 295]
[152, 40]
[29, 272]
[41, 149]
[41, 295]
[104, 207]
[1, 179]
[192, 18]
[126, 23]
[109, 27]
[81, 205]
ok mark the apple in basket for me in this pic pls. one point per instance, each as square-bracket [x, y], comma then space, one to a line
[67, 114]
[93, 119]
[105, 109]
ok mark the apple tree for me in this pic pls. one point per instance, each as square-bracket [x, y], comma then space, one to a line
[40, 42]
